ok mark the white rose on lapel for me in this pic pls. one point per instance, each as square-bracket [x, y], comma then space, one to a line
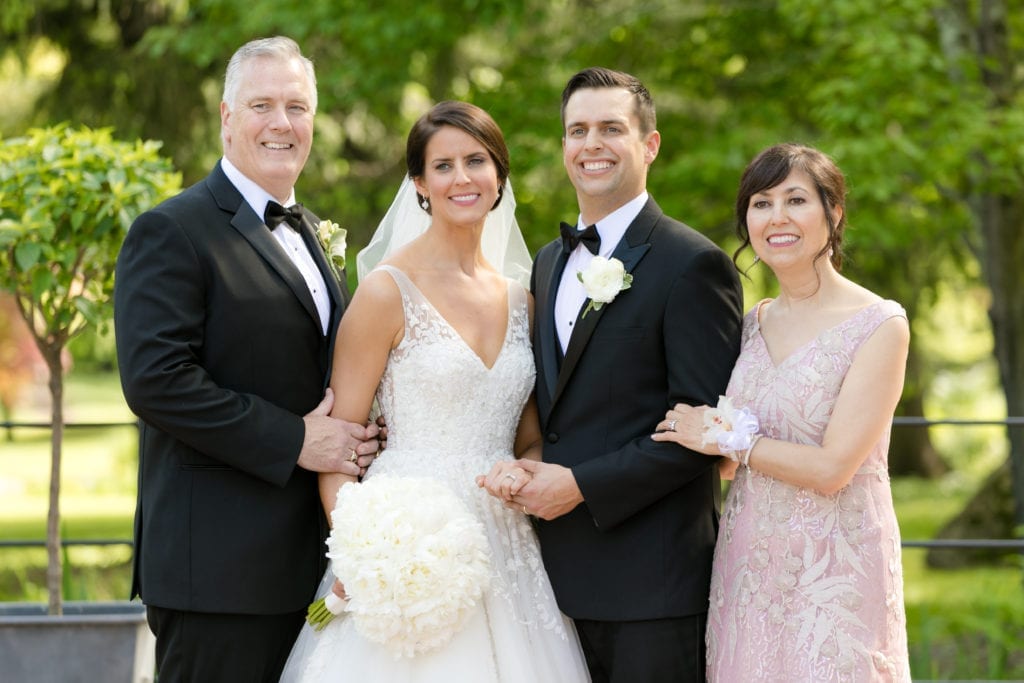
[332, 239]
[602, 280]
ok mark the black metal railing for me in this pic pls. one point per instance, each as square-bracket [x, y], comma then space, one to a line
[900, 421]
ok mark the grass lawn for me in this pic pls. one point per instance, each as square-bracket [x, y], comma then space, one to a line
[963, 624]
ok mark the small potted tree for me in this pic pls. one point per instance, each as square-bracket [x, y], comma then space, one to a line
[67, 198]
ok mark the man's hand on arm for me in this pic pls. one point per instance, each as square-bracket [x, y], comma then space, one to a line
[332, 445]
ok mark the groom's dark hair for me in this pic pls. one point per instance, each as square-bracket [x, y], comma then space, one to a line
[600, 77]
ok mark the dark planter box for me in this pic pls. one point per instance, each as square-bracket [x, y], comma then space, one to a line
[90, 642]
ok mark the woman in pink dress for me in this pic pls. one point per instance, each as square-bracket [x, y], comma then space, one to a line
[807, 582]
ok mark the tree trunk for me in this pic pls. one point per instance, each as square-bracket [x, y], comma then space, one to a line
[988, 514]
[1001, 218]
[911, 452]
[55, 569]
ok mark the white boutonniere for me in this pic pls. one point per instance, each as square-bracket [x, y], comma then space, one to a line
[332, 240]
[602, 280]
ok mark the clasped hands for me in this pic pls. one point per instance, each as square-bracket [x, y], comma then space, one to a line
[535, 488]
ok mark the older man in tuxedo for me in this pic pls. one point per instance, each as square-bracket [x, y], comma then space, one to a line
[225, 312]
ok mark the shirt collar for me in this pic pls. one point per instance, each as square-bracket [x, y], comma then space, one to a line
[612, 227]
[254, 195]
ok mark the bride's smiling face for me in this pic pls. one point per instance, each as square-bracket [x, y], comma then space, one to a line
[459, 178]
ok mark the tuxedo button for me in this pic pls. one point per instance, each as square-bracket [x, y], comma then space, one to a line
[552, 437]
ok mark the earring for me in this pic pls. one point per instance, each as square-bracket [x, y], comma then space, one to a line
[757, 259]
[425, 204]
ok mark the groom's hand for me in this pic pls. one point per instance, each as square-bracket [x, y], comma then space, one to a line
[550, 494]
[332, 445]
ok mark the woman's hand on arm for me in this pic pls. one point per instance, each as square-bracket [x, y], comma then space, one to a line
[684, 425]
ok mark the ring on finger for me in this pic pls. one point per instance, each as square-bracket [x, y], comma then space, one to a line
[352, 455]
[511, 476]
[672, 425]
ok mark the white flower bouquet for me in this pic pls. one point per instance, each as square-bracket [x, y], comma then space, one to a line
[413, 560]
[602, 280]
[734, 430]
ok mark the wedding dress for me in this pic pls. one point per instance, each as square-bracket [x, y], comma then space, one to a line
[450, 417]
[807, 587]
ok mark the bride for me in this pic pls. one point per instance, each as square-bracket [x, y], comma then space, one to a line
[441, 339]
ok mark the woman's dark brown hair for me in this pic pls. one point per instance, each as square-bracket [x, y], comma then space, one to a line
[772, 166]
[466, 117]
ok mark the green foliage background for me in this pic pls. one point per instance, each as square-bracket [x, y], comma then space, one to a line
[919, 101]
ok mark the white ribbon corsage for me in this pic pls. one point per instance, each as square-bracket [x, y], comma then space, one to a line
[734, 430]
[602, 280]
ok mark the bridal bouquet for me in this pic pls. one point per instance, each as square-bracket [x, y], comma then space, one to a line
[733, 430]
[413, 560]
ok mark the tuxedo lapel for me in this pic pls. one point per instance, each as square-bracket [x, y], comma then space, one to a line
[547, 336]
[630, 250]
[255, 231]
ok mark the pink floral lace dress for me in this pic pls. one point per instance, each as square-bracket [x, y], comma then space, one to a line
[807, 587]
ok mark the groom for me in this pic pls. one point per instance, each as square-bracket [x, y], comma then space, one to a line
[225, 311]
[627, 525]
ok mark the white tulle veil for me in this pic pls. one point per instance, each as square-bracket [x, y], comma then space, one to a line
[502, 242]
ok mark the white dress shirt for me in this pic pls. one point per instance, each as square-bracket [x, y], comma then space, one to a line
[571, 296]
[291, 241]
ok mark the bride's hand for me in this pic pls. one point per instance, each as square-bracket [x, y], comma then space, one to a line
[505, 480]
[684, 425]
[339, 589]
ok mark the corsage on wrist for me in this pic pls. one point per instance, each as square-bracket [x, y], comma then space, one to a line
[734, 430]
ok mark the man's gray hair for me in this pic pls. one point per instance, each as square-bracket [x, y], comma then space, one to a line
[278, 47]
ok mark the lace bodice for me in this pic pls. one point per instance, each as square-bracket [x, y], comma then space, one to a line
[439, 397]
[807, 586]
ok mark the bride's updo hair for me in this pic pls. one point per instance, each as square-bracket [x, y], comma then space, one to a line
[468, 118]
[772, 166]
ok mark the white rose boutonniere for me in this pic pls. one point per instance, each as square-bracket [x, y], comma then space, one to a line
[332, 239]
[602, 280]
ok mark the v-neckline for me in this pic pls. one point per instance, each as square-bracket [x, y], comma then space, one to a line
[458, 335]
[798, 350]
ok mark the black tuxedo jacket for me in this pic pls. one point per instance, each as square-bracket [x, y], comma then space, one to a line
[640, 545]
[221, 352]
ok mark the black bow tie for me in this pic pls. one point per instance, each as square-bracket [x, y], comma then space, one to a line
[275, 214]
[571, 237]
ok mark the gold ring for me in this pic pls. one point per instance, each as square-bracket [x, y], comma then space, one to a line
[352, 456]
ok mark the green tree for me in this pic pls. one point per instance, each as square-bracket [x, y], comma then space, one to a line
[918, 101]
[67, 198]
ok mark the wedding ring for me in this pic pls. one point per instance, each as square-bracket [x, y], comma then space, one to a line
[672, 425]
[352, 456]
[512, 477]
